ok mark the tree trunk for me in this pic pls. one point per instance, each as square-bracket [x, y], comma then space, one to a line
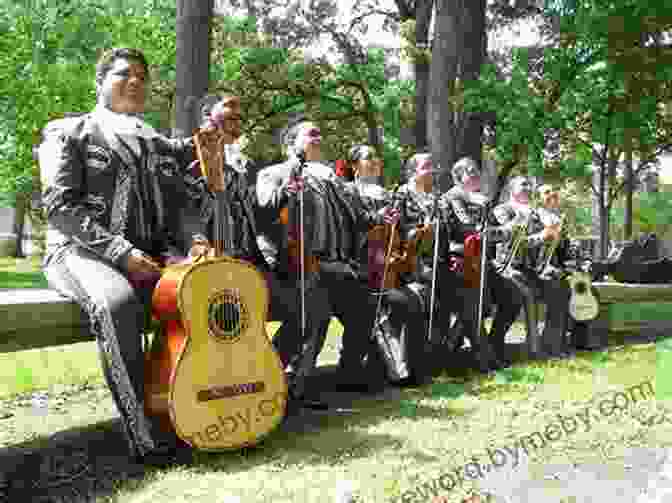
[458, 53]
[474, 47]
[607, 178]
[19, 224]
[629, 189]
[192, 62]
[423, 18]
[441, 125]
[601, 210]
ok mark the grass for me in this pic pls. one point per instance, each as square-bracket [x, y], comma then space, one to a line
[45, 368]
[21, 273]
[388, 447]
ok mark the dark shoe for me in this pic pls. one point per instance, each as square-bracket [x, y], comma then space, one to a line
[296, 403]
[348, 386]
[311, 403]
[165, 456]
[414, 381]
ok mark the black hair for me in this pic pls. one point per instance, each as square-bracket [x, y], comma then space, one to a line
[108, 58]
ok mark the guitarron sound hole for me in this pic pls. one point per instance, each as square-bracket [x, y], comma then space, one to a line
[581, 288]
[227, 316]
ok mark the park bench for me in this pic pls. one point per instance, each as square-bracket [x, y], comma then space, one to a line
[614, 295]
[38, 318]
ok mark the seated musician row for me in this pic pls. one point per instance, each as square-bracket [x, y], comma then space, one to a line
[122, 201]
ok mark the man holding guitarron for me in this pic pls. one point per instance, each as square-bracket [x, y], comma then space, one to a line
[113, 189]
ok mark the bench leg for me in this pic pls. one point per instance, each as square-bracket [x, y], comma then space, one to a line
[593, 334]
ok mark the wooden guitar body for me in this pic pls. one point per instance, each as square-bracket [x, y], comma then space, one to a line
[167, 345]
[583, 305]
[472, 260]
[227, 388]
[213, 376]
[379, 242]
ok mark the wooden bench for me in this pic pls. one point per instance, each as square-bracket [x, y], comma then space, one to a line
[37, 318]
[608, 324]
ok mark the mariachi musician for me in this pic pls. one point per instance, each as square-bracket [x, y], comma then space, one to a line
[468, 204]
[404, 304]
[284, 303]
[551, 263]
[419, 210]
[521, 265]
[333, 218]
[113, 188]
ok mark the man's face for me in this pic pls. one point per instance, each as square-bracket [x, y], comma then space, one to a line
[233, 119]
[124, 86]
[550, 198]
[521, 190]
[423, 171]
[310, 137]
[369, 167]
[471, 178]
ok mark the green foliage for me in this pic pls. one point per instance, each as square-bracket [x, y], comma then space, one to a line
[48, 53]
[273, 82]
[579, 101]
[653, 211]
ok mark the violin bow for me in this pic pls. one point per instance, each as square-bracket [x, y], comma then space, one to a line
[489, 205]
[396, 203]
[298, 171]
[435, 258]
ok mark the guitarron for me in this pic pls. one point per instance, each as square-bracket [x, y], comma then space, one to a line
[215, 377]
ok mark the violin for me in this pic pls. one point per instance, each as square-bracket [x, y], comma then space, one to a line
[390, 255]
[312, 263]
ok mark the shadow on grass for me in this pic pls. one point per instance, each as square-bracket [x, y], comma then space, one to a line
[81, 464]
[11, 279]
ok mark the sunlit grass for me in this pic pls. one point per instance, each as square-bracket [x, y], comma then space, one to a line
[21, 273]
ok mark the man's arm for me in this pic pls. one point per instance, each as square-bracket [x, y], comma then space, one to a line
[271, 189]
[65, 199]
[369, 211]
[183, 149]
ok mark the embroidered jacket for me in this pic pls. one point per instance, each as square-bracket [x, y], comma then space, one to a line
[237, 225]
[111, 192]
[466, 214]
[419, 209]
[334, 213]
[373, 198]
[566, 250]
[513, 213]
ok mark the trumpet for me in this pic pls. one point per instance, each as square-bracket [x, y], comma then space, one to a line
[549, 249]
[518, 236]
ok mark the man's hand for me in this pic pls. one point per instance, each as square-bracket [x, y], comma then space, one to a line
[551, 232]
[390, 215]
[200, 248]
[224, 119]
[295, 185]
[139, 262]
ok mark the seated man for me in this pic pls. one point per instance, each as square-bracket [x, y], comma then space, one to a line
[467, 205]
[112, 190]
[551, 263]
[406, 331]
[334, 216]
[522, 264]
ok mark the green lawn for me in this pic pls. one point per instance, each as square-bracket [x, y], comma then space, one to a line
[21, 273]
[390, 446]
